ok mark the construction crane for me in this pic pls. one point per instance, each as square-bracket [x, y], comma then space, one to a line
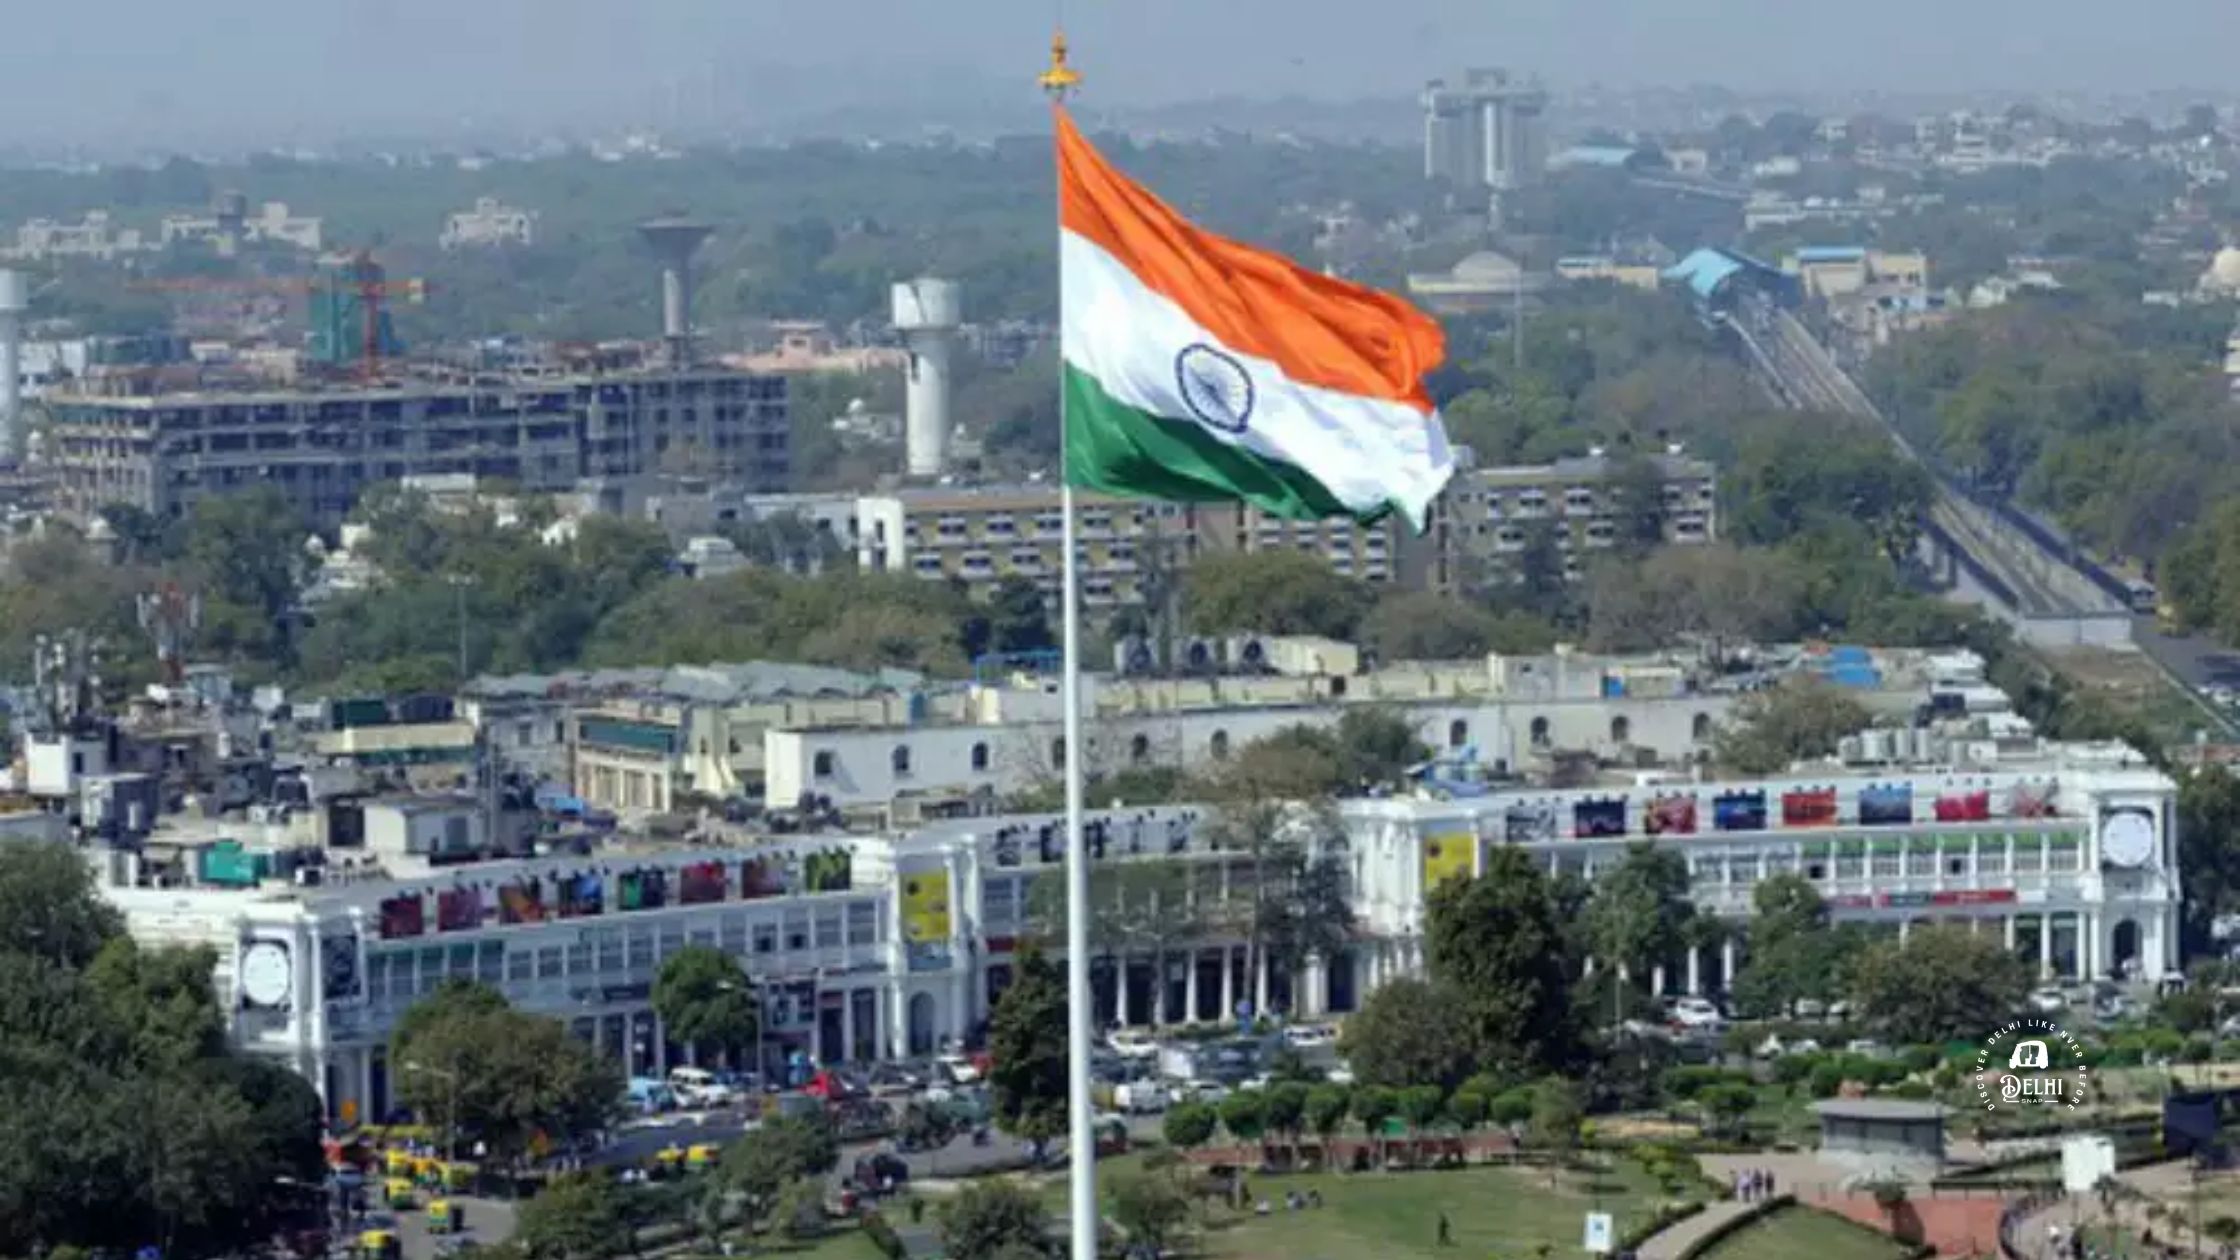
[348, 297]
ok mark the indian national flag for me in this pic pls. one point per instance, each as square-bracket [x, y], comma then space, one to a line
[1200, 369]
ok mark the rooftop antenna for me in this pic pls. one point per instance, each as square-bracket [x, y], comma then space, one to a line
[674, 237]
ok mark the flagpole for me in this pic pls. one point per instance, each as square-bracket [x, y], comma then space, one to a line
[1058, 82]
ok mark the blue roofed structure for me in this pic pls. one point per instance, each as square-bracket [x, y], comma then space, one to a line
[1711, 273]
[1832, 254]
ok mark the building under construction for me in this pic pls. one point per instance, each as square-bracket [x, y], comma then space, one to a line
[160, 439]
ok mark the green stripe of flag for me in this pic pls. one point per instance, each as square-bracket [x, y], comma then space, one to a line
[1118, 449]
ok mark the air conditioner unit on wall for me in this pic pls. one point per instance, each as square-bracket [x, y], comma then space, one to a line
[1247, 654]
[1200, 656]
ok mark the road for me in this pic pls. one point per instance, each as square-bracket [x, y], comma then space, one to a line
[1806, 376]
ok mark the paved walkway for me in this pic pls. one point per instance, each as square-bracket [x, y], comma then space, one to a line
[1673, 1243]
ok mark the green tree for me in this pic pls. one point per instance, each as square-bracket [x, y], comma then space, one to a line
[1376, 746]
[992, 1218]
[163, 1000]
[782, 1152]
[704, 998]
[246, 553]
[1421, 1106]
[1557, 1114]
[1510, 1108]
[1281, 591]
[1372, 1106]
[1420, 626]
[1940, 984]
[1286, 1110]
[48, 909]
[1245, 1115]
[499, 1076]
[1642, 911]
[1724, 1106]
[579, 1216]
[1498, 943]
[1325, 1113]
[1794, 952]
[1469, 1107]
[1152, 1209]
[1410, 1032]
[1027, 1039]
[1018, 621]
[1189, 1125]
[1798, 720]
[2208, 848]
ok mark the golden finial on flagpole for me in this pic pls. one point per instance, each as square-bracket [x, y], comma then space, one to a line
[1060, 80]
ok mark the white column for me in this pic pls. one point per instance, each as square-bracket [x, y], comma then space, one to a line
[1656, 980]
[365, 1087]
[1260, 985]
[1905, 929]
[1190, 990]
[1726, 962]
[2045, 944]
[1120, 991]
[1695, 971]
[2010, 933]
[1314, 1000]
[1228, 986]
[898, 1022]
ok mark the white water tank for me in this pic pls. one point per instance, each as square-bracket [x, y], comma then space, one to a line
[927, 312]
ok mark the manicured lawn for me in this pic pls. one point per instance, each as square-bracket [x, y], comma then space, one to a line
[1394, 1216]
[1790, 1233]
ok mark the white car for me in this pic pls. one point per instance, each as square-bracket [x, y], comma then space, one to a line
[1139, 1097]
[2049, 1001]
[1308, 1036]
[1133, 1043]
[1209, 1092]
[1695, 1012]
[698, 1087]
[1340, 1075]
[957, 1068]
[1867, 1047]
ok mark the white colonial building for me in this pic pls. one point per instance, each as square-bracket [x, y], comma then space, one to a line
[867, 946]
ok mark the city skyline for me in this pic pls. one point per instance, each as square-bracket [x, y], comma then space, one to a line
[314, 74]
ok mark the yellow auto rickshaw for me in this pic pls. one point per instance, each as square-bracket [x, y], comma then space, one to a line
[443, 1217]
[456, 1177]
[702, 1156]
[668, 1161]
[397, 1192]
[397, 1162]
[378, 1244]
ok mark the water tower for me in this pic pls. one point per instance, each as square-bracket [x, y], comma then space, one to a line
[674, 238]
[926, 314]
[13, 303]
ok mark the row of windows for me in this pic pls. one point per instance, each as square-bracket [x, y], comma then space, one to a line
[824, 762]
[608, 951]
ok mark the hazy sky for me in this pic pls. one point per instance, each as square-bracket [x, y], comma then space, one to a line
[116, 68]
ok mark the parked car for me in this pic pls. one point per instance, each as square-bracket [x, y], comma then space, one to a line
[1867, 1047]
[1696, 1012]
[649, 1096]
[1133, 1043]
[958, 1069]
[1342, 1074]
[1142, 1097]
[1210, 1092]
[698, 1087]
[1308, 1036]
[2049, 1001]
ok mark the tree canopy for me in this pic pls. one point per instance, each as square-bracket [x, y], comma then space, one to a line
[706, 1000]
[124, 1120]
[1943, 983]
[1027, 1040]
